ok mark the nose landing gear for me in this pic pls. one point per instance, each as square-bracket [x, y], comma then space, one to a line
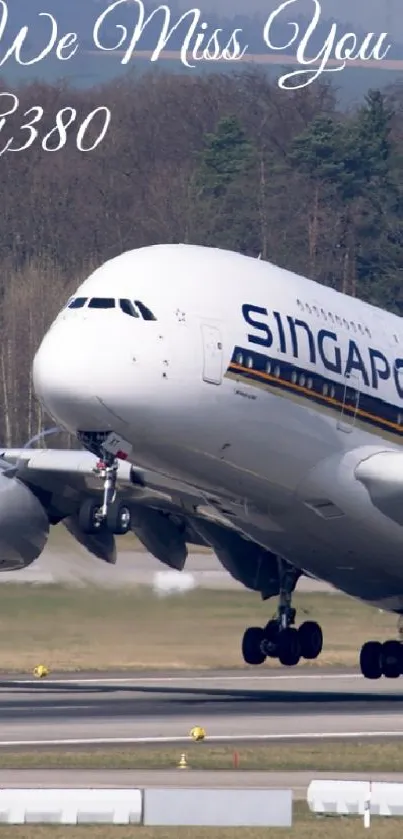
[279, 638]
[110, 514]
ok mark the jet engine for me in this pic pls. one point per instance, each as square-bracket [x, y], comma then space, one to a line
[24, 525]
[253, 566]
[163, 537]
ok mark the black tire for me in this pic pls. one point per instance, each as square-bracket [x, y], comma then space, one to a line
[289, 650]
[118, 520]
[271, 631]
[310, 639]
[86, 516]
[252, 646]
[391, 659]
[371, 660]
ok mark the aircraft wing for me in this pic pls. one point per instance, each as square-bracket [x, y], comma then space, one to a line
[62, 479]
[382, 475]
[67, 473]
[166, 515]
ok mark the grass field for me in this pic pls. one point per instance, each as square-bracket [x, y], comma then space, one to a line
[306, 826]
[72, 629]
[338, 756]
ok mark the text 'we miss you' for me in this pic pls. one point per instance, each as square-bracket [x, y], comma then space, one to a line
[200, 43]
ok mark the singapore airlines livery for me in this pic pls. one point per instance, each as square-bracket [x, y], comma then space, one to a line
[224, 401]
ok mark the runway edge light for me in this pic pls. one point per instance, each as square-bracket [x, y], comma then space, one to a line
[183, 764]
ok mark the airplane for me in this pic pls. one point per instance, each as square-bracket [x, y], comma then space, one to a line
[222, 400]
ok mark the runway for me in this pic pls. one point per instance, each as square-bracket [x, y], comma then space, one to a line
[231, 706]
[175, 778]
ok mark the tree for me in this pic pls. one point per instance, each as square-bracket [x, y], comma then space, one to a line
[226, 188]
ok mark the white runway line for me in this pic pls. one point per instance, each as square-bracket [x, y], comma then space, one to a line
[138, 680]
[217, 738]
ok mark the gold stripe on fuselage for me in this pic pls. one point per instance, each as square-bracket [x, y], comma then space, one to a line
[331, 406]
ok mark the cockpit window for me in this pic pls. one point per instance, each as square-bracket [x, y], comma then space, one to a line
[145, 312]
[128, 308]
[77, 303]
[101, 303]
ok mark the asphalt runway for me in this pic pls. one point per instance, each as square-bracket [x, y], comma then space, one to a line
[71, 564]
[177, 779]
[231, 706]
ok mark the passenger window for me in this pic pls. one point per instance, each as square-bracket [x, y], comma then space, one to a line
[101, 303]
[78, 303]
[128, 308]
[338, 320]
[144, 311]
[353, 327]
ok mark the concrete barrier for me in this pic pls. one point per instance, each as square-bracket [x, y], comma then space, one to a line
[71, 806]
[217, 808]
[355, 797]
[150, 807]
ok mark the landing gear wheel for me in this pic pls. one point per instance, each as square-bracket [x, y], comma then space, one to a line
[88, 519]
[391, 659]
[310, 639]
[289, 650]
[271, 631]
[371, 660]
[118, 519]
[252, 645]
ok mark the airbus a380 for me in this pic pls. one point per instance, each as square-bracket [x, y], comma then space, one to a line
[225, 401]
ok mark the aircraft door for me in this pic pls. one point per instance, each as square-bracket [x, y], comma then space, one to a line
[350, 403]
[212, 354]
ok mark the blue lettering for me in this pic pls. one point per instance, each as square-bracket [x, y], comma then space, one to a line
[265, 341]
[293, 330]
[355, 362]
[376, 371]
[334, 366]
[281, 333]
[398, 381]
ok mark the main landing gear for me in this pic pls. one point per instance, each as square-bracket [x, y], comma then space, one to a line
[385, 659]
[110, 514]
[279, 638]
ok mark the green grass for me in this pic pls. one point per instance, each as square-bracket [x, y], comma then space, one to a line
[340, 756]
[306, 826]
[93, 628]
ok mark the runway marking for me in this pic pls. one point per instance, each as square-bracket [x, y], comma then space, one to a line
[215, 738]
[191, 679]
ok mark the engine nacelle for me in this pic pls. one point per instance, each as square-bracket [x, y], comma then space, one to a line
[253, 566]
[24, 525]
[161, 536]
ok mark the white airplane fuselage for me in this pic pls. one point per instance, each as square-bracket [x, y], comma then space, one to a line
[261, 388]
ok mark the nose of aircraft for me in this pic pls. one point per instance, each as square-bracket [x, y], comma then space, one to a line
[66, 372]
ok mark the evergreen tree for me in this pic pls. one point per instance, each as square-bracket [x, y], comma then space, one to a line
[225, 188]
